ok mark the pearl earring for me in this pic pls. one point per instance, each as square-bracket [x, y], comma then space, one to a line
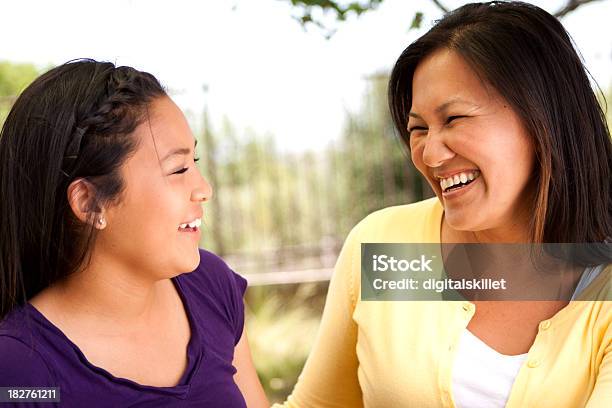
[102, 222]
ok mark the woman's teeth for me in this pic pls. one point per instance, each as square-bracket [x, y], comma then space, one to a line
[193, 224]
[458, 180]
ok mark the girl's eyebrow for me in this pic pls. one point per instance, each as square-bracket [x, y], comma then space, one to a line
[180, 151]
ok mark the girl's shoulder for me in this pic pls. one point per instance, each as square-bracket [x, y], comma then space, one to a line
[213, 277]
[214, 293]
[21, 359]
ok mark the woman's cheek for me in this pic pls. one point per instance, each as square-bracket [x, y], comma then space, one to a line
[416, 153]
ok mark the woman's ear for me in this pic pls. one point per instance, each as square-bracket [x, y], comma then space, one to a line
[82, 200]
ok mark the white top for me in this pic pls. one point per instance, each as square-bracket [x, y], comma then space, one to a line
[482, 377]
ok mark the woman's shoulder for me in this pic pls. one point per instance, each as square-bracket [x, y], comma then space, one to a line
[415, 222]
[599, 288]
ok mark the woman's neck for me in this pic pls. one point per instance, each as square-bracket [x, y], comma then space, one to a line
[515, 233]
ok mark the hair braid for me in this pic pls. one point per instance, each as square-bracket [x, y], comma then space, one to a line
[114, 113]
[76, 119]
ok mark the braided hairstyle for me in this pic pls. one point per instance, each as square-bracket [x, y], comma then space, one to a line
[73, 122]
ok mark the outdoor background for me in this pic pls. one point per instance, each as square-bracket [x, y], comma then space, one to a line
[288, 101]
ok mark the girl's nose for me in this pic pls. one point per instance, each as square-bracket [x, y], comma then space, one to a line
[203, 192]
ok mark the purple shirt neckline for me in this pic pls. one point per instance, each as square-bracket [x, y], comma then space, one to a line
[195, 352]
[35, 352]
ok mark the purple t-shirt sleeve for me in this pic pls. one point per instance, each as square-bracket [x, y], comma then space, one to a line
[21, 366]
[225, 286]
[238, 288]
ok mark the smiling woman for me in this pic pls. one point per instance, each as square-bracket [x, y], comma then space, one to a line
[475, 135]
[104, 291]
[500, 118]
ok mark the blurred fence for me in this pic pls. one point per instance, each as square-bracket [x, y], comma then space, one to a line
[292, 213]
[283, 212]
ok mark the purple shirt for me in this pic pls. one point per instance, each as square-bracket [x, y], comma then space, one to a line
[34, 352]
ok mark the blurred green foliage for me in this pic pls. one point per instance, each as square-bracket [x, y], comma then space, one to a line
[13, 79]
[282, 323]
[605, 100]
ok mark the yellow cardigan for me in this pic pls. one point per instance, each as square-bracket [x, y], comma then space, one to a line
[400, 354]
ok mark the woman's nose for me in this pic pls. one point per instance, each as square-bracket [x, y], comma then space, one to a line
[435, 151]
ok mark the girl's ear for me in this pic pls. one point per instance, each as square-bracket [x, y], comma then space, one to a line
[82, 201]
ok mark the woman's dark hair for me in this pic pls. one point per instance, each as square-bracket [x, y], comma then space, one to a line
[73, 122]
[528, 57]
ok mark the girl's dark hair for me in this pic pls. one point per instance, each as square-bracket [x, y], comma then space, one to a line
[528, 57]
[74, 121]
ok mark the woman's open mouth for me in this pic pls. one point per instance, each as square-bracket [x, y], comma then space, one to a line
[458, 181]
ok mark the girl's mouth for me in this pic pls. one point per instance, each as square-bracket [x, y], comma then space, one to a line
[192, 226]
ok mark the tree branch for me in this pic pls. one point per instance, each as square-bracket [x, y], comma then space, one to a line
[440, 6]
[571, 5]
[359, 7]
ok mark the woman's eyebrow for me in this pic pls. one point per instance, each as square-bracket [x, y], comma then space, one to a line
[443, 107]
[180, 151]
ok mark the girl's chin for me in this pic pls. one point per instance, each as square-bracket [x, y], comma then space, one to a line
[187, 261]
[196, 260]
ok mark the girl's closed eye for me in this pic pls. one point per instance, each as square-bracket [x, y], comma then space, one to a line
[184, 169]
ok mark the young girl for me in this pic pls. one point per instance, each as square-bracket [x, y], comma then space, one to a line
[501, 120]
[104, 291]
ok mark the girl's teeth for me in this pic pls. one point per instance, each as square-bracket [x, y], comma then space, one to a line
[193, 224]
[470, 176]
[463, 177]
[456, 179]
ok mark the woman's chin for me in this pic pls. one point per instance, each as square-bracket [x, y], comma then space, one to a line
[461, 221]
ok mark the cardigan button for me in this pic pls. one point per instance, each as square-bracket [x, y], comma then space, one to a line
[467, 307]
[545, 325]
[533, 363]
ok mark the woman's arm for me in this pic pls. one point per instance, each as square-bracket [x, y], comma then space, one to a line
[602, 393]
[246, 376]
[329, 378]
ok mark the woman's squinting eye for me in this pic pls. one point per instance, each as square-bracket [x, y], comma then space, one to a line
[414, 128]
[451, 118]
[181, 171]
[448, 120]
